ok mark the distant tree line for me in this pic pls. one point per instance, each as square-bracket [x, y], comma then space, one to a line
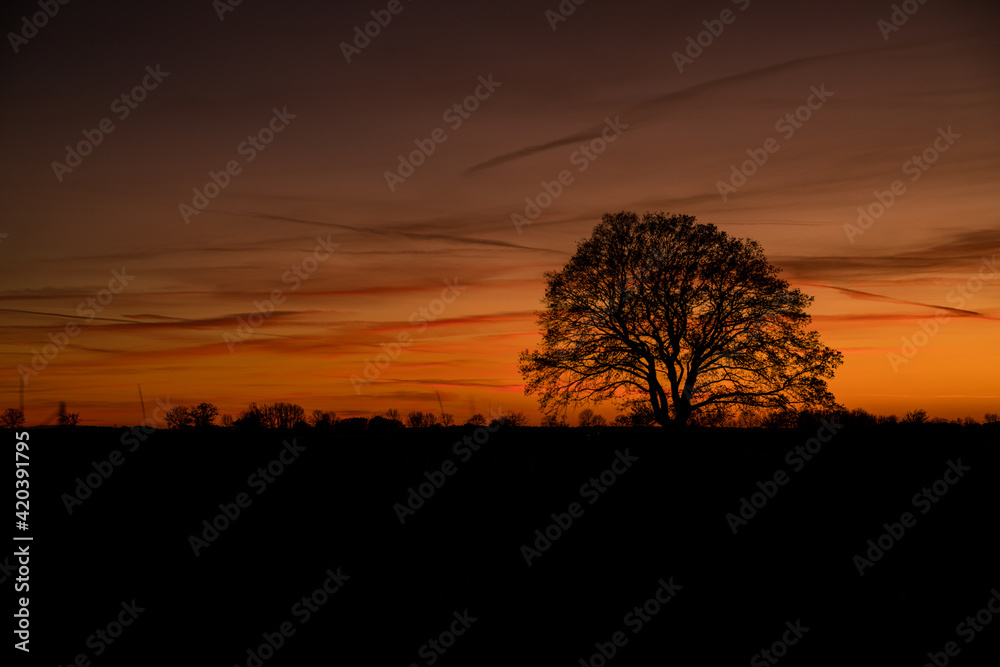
[14, 418]
[292, 416]
[194, 416]
[858, 418]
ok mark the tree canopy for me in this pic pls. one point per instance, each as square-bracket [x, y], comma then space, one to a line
[663, 313]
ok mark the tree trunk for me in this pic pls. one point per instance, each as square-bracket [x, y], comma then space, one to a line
[682, 409]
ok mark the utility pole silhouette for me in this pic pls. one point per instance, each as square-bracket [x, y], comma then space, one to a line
[440, 404]
[142, 403]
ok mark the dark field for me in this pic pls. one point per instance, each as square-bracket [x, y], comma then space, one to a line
[663, 517]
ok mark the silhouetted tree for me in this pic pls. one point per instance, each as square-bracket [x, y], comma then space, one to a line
[860, 418]
[393, 414]
[587, 419]
[251, 418]
[991, 418]
[418, 419]
[748, 418]
[514, 418]
[379, 423]
[554, 421]
[179, 417]
[476, 420]
[272, 415]
[710, 415]
[915, 417]
[204, 414]
[447, 419]
[284, 415]
[322, 420]
[11, 418]
[679, 314]
[68, 419]
[783, 419]
[639, 414]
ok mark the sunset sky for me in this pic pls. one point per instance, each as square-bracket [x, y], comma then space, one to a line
[394, 247]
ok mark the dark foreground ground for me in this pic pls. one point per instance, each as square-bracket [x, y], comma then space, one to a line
[329, 510]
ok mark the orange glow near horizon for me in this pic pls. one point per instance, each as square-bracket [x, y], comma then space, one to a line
[171, 328]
